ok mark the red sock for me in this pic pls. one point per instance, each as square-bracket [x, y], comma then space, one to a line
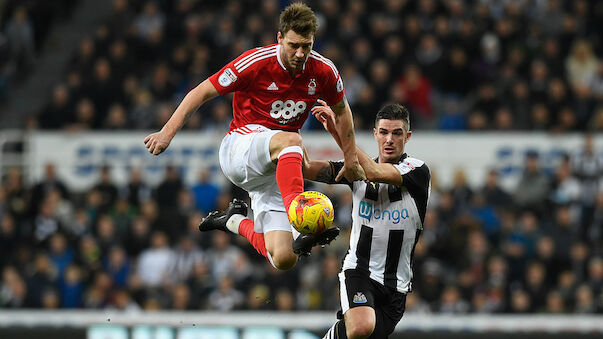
[289, 176]
[256, 239]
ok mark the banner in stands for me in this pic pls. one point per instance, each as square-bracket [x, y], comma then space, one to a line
[79, 157]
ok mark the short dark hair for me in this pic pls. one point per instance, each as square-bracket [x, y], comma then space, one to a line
[300, 18]
[394, 112]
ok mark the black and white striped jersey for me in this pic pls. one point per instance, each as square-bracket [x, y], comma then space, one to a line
[386, 224]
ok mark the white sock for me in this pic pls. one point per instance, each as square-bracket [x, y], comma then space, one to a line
[233, 223]
[270, 260]
[291, 149]
[295, 233]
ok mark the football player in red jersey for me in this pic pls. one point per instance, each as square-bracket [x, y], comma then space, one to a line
[274, 89]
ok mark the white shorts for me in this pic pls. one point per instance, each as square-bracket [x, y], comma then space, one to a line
[245, 160]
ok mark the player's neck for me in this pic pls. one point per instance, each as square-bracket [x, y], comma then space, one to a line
[293, 72]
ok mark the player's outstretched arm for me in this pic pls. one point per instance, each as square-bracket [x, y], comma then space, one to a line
[345, 129]
[158, 142]
[378, 172]
[374, 171]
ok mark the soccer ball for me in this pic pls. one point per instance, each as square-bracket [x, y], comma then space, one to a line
[311, 213]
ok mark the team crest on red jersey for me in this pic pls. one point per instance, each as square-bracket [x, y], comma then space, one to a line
[312, 87]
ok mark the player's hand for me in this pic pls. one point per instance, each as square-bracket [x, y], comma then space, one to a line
[325, 115]
[157, 142]
[352, 172]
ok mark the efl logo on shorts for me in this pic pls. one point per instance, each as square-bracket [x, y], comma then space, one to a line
[227, 78]
[287, 110]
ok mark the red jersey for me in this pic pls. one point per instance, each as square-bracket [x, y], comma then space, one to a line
[265, 93]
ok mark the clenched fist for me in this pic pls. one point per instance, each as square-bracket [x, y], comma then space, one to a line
[157, 142]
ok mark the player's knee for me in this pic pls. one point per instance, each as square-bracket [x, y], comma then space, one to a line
[360, 329]
[291, 139]
[283, 260]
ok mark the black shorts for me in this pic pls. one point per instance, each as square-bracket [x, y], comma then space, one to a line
[357, 289]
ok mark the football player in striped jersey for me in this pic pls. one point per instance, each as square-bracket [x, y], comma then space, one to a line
[387, 219]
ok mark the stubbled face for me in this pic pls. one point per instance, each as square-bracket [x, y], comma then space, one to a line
[295, 49]
[391, 136]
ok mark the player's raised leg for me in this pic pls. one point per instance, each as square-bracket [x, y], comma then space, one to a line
[234, 219]
[286, 151]
[279, 247]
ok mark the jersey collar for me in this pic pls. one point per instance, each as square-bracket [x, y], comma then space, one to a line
[280, 61]
[404, 156]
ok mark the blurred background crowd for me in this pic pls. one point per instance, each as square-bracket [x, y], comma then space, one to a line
[512, 65]
[535, 248]
[458, 64]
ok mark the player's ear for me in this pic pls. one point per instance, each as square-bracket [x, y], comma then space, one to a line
[279, 37]
[375, 132]
[408, 134]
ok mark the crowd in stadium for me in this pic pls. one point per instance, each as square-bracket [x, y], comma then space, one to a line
[458, 65]
[536, 248]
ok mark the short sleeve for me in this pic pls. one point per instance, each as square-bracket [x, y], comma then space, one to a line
[416, 178]
[334, 90]
[229, 79]
[415, 174]
[336, 166]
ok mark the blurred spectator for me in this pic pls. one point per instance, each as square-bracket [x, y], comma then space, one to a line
[45, 223]
[588, 168]
[581, 65]
[41, 280]
[58, 111]
[186, 257]
[117, 265]
[137, 191]
[13, 290]
[416, 90]
[71, 287]
[61, 254]
[167, 191]
[149, 21]
[533, 186]
[122, 301]
[154, 262]
[205, 192]
[15, 193]
[107, 189]
[181, 298]
[90, 255]
[20, 33]
[451, 301]
[258, 298]
[222, 256]
[8, 238]
[225, 298]
[49, 183]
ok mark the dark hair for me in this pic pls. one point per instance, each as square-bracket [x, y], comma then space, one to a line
[394, 112]
[299, 18]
